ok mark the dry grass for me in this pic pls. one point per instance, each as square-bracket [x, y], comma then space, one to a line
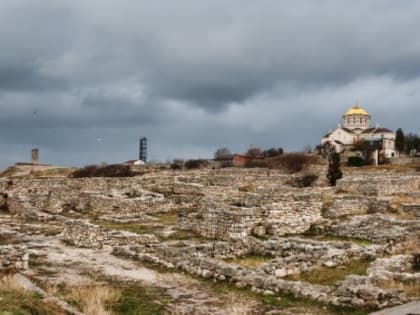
[53, 172]
[9, 283]
[330, 276]
[401, 215]
[8, 172]
[411, 167]
[399, 199]
[238, 304]
[168, 218]
[247, 188]
[409, 289]
[94, 300]
[410, 246]
[14, 299]
[293, 162]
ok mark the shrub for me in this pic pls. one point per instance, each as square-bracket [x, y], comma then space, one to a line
[273, 152]
[222, 153]
[303, 181]
[292, 162]
[247, 188]
[177, 165]
[114, 170]
[256, 162]
[334, 171]
[3, 203]
[356, 161]
[416, 262]
[194, 164]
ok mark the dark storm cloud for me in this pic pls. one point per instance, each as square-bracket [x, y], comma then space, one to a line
[194, 75]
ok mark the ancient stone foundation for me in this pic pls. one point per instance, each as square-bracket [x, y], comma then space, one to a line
[83, 234]
[13, 258]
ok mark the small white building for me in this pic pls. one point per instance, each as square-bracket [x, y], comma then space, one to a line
[355, 129]
[134, 162]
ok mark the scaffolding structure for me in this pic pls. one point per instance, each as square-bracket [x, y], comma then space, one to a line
[143, 150]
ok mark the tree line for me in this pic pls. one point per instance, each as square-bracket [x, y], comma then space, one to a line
[407, 143]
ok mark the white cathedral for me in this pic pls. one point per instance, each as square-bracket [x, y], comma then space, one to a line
[355, 128]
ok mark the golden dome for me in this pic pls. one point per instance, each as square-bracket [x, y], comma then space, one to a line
[356, 110]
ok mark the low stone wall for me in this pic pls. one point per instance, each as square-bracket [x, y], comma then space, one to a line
[144, 203]
[344, 205]
[412, 208]
[270, 212]
[13, 258]
[259, 280]
[377, 228]
[297, 255]
[379, 185]
[84, 234]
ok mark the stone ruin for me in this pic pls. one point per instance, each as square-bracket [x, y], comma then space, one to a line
[13, 258]
[229, 214]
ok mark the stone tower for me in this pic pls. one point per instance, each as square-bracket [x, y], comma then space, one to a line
[34, 156]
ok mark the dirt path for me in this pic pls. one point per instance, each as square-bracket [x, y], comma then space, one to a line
[71, 266]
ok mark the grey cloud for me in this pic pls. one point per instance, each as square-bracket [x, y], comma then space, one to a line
[194, 74]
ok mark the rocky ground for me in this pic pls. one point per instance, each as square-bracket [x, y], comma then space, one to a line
[209, 242]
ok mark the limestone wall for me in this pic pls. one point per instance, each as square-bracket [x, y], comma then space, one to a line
[352, 204]
[379, 184]
[13, 258]
[83, 234]
[273, 212]
[193, 260]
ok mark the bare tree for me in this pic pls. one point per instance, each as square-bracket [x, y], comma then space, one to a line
[222, 153]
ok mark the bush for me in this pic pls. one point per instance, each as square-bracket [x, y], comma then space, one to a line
[114, 170]
[334, 172]
[3, 202]
[256, 162]
[194, 164]
[303, 181]
[273, 152]
[416, 262]
[293, 162]
[177, 165]
[356, 161]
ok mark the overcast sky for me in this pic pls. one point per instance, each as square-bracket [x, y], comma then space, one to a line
[83, 80]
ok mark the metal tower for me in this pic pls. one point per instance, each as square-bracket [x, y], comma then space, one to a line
[143, 150]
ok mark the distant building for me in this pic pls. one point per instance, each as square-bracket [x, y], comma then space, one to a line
[35, 156]
[355, 130]
[134, 162]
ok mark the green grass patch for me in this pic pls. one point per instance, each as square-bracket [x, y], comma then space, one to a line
[250, 261]
[330, 276]
[281, 300]
[137, 300]
[8, 241]
[168, 218]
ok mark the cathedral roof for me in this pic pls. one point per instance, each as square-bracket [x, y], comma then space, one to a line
[377, 130]
[356, 110]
